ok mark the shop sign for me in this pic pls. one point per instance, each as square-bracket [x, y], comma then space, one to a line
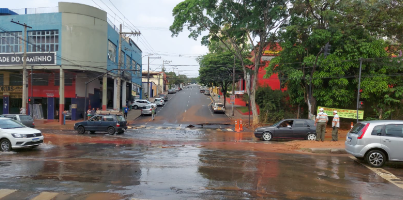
[343, 113]
[73, 106]
[32, 58]
[240, 92]
[8, 88]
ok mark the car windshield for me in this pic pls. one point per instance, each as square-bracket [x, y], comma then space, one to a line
[9, 124]
[147, 107]
[25, 118]
[120, 118]
[219, 105]
[276, 124]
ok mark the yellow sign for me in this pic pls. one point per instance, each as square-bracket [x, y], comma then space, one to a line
[343, 113]
[270, 52]
[8, 88]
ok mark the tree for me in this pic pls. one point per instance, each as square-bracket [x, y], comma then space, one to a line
[353, 33]
[216, 69]
[233, 23]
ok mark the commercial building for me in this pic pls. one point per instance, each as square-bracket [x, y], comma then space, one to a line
[156, 81]
[67, 47]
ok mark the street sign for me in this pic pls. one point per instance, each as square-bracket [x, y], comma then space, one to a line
[232, 99]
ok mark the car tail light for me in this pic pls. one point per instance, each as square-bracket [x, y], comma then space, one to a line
[151, 109]
[33, 123]
[117, 125]
[363, 131]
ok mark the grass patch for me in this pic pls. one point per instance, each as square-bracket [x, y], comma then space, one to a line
[242, 109]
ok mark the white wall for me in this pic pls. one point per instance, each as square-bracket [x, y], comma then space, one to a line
[80, 85]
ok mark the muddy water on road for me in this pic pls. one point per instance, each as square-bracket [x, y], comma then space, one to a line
[197, 165]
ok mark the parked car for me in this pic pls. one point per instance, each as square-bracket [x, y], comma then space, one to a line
[152, 104]
[218, 107]
[14, 135]
[102, 123]
[376, 142]
[24, 119]
[207, 92]
[171, 91]
[159, 101]
[201, 90]
[147, 110]
[139, 103]
[288, 128]
[163, 96]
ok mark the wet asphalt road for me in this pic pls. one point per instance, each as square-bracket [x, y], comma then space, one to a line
[168, 161]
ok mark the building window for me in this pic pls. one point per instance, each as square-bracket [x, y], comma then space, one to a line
[127, 62]
[11, 42]
[111, 51]
[43, 41]
[1, 79]
[40, 79]
[134, 68]
[16, 79]
[139, 70]
[68, 79]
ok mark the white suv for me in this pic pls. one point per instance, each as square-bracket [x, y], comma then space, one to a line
[159, 101]
[139, 103]
[14, 135]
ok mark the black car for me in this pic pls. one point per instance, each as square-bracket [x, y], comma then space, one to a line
[102, 123]
[288, 129]
[163, 96]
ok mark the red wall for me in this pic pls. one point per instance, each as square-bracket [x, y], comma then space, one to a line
[43, 91]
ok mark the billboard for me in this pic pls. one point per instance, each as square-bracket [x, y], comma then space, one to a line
[343, 113]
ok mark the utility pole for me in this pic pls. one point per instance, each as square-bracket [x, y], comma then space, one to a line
[233, 86]
[120, 62]
[359, 87]
[24, 67]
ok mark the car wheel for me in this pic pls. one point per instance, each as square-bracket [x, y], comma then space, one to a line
[111, 130]
[311, 136]
[375, 158]
[81, 130]
[136, 107]
[267, 136]
[92, 132]
[5, 145]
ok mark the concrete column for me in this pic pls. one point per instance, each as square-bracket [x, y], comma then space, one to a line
[61, 96]
[104, 92]
[115, 93]
[124, 93]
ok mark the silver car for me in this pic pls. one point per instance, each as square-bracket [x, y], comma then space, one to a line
[147, 110]
[376, 142]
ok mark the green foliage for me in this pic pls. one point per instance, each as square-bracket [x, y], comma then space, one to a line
[352, 28]
[274, 105]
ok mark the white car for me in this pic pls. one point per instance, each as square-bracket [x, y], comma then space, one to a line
[139, 103]
[159, 101]
[218, 107]
[14, 135]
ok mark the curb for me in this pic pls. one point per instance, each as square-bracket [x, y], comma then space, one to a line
[325, 150]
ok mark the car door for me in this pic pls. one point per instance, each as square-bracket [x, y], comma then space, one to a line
[93, 123]
[392, 139]
[300, 129]
[282, 131]
[107, 121]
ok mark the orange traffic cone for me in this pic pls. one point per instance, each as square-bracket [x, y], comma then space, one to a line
[352, 125]
[236, 126]
[240, 125]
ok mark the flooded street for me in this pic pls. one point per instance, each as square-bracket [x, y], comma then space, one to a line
[175, 157]
[184, 164]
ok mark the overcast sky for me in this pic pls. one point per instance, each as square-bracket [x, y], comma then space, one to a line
[152, 18]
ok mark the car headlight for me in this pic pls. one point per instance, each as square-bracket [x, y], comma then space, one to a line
[17, 135]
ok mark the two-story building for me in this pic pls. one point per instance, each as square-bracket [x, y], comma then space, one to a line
[72, 55]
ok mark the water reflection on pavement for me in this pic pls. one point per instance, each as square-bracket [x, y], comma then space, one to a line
[180, 164]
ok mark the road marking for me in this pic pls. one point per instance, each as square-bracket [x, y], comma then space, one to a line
[208, 129]
[5, 192]
[228, 129]
[46, 196]
[383, 173]
[178, 128]
[159, 127]
[218, 129]
[185, 110]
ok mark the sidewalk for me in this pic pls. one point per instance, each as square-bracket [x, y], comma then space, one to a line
[44, 124]
[228, 110]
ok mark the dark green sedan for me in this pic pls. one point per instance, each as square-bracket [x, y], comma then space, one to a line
[102, 123]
